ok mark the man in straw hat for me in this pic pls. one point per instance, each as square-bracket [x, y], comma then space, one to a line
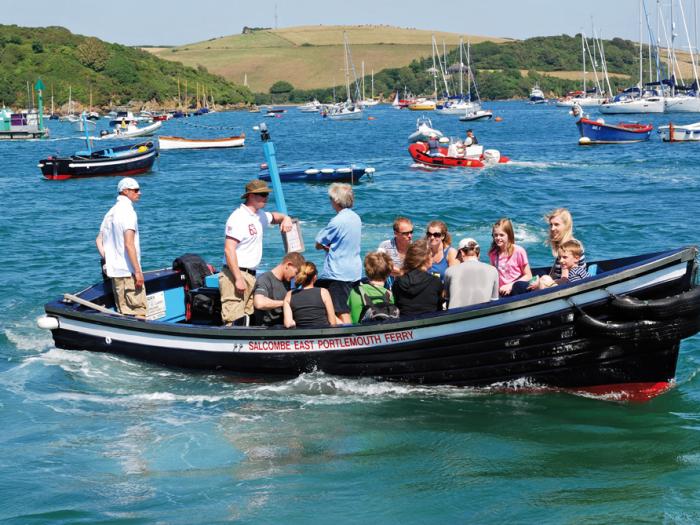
[118, 244]
[472, 281]
[243, 250]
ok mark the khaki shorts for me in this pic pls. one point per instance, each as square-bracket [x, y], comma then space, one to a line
[235, 304]
[127, 299]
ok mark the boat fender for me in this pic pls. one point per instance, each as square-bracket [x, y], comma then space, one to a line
[47, 322]
[686, 303]
[444, 140]
[327, 170]
[369, 171]
[642, 330]
[311, 171]
[344, 170]
[142, 149]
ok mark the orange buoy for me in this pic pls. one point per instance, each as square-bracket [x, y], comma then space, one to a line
[371, 118]
[498, 119]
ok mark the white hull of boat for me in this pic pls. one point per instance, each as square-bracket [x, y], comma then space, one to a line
[682, 104]
[645, 105]
[355, 114]
[689, 133]
[167, 143]
[583, 102]
[133, 133]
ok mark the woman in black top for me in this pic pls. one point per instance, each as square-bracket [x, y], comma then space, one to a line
[417, 291]
[308, 306]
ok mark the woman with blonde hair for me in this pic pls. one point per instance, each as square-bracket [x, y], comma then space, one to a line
[417, 291]
[509, 259]
[442, 254]
[561, 230]
[308, 306]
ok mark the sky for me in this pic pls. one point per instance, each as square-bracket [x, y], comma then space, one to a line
[177, 22]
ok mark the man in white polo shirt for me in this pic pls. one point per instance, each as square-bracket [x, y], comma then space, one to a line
[118, 244]
[243, 249]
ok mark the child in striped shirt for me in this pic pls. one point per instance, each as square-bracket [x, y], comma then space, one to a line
[570, 253]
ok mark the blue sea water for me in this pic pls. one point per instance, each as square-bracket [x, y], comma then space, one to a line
[93, 438]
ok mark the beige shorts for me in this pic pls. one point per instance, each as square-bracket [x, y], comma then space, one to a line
[235, 304]
[127, 299]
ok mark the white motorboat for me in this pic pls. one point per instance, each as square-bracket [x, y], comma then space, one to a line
[346, 111]
[129, 131]
[480, 114]
[537, 95]
[687, 133]
[312, 106]
[168, 142]
[424, 130]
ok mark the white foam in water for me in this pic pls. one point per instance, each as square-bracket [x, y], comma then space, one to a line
[525, 234]
[25, 336]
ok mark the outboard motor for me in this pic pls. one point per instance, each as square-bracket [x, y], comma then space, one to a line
[492, 156]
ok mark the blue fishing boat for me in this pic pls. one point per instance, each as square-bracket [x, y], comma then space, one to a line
[600, 132]
[322, 173]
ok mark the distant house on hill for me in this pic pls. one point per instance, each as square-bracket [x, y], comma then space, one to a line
[248, 30]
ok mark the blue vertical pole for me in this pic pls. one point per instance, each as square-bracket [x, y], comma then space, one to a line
[270, 158]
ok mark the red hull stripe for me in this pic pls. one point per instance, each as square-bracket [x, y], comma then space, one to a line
[64, 176]
[636, 392]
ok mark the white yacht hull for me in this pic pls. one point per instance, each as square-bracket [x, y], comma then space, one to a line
[645, 105]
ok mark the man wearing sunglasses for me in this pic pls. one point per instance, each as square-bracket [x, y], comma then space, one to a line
[118, 244]
[243, 249]
[396, 247]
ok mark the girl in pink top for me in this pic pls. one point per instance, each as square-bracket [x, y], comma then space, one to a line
[509, 259]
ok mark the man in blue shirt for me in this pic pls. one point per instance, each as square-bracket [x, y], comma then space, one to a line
[341, 240]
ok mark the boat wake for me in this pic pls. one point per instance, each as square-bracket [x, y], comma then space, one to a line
[540, 165]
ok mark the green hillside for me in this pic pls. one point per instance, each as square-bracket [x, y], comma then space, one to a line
[113, 73]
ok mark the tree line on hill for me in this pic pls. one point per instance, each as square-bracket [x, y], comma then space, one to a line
[112, 73]
[496, 67]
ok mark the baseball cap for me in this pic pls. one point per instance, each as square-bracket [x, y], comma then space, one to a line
[468, 243]
[127, 183]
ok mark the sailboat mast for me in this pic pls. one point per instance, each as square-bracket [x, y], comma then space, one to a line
[469, 71]
[583, 57]
[373, 84]
[461, 68]
[347, 67]
[640, 48]
[363, 80]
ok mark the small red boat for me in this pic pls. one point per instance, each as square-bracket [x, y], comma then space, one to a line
[482, 158]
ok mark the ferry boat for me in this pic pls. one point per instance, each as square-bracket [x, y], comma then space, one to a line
[616, 333]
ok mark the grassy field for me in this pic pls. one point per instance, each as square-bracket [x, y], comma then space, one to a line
[309, 56]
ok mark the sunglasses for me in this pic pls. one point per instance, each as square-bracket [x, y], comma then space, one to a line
[436, 235]
[406, 234]
[137, 190]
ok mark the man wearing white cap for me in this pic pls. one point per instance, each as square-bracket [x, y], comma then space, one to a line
[118, 244]
[243, 249]
[472, 281]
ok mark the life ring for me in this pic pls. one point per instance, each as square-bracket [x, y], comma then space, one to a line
[679, 305]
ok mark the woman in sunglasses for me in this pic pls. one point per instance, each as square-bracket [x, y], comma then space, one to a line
[441, 251]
